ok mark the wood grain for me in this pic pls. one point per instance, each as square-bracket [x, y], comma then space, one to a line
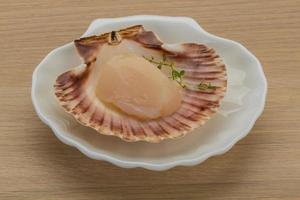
[264, 165]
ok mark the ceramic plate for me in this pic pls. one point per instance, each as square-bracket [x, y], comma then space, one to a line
[217, 136]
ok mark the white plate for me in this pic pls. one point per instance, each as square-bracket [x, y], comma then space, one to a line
[217, 136]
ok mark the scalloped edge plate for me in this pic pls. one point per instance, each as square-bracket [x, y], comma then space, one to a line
[229, 50]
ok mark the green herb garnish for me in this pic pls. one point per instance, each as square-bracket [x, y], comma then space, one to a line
[177, 75]
[204, 86]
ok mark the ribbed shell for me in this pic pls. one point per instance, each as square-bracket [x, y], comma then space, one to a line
[201, 64]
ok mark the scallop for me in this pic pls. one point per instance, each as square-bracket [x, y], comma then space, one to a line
[134, 86]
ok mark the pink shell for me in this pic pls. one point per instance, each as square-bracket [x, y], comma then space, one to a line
[201, 64]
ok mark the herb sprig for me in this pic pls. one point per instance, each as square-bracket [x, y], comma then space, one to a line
[204, 86]
[177, 75]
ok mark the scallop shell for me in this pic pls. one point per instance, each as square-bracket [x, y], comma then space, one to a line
[201, 64]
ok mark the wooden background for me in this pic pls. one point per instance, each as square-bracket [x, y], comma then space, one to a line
[34, 164]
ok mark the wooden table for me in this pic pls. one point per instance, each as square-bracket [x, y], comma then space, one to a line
[34, 164]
